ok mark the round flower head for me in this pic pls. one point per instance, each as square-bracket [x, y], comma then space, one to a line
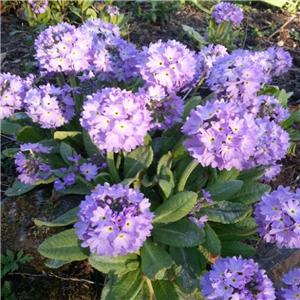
[38, 6]
[114, 220]
[63, 48]
[12, 90]
[236, 278]
[98, 28]
[113, 10]
[49, 106]
[271, 172]
[170, 65]
[221, 135]
[30, 165]
[226, 11]
[116, 119]
[292, 289]
[278, 217]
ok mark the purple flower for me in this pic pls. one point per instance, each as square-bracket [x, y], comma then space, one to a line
[114, 220]
[236, 278]
[292, 289]
[29, 163]
[89, 171]
[170, 65]
[38, 6]
[49, 106]
[113, 10]
[59, 185]
[12, 90]
[271, 172]
[116, 119]
[70, 179]
[278, 217]
[226, 11]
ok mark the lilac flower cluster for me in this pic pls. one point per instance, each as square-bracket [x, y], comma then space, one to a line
[12, 90]
[100, 29]
[113, 10]
[226, 11]
[63, 48]
[278, 217]
[38, 6]
[236, 278]
[114, 220]
[170, 65]
[116, 119]
[271, 172]
[240, 75]
[49, 106]
[29, 164]
[292, 291]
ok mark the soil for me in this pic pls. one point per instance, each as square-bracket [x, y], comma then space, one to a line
[78, 280]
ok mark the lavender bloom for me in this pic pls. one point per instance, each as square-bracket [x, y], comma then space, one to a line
[226, 11]
[116, 119]
[49, 106]
[29, 164]
[12, 90]
[278, 217]
[89, 171]
[63, 48]
[98, 28]
[38, 6]
[114, 220]
[113, 10]
[170, 65]
[292, 290]
[236, 278]
[271, 172]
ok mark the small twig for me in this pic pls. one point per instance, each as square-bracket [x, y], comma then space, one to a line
[287, 22]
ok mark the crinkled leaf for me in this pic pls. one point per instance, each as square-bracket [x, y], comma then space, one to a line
[90, 147]
[64, 246]
[165, 188]
[223, 190]
[102, 178]
[154, 259]
[225, 175]
[28, 135]
[212, 242]
[175, 208]
[67, 151]
[19, 188]
[164, 290]
[11, 152]
[234, 248]
[10, 128]
[55, 263]
[64, 220]
[251, 175]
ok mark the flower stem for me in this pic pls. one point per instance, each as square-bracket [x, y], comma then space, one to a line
[77, 99]
[112, 167]
[148, 281]
[185, 175]
[197, 87]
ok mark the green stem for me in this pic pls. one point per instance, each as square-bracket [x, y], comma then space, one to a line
[148, 281]
[77, 98]
[185, 175]
[88, 184]
[112, 167]
[60, 80]
[197, 87]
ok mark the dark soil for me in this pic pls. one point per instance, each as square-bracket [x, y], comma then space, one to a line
[78, 280]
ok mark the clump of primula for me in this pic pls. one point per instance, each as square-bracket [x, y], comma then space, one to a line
[278, 217]
[100, 29]
[236, 278]
[116, 119]
[114, 220]
[12, 90]
[226, 11]
[30, 165]
[49, 106]
[170, 65]
[63, 48]
[113, 10]
[38, 6]
[271, 172]
[292, 289]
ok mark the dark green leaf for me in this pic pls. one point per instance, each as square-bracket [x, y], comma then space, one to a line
[183, 233]
[67, 151]
[11, 152]
[165, 161]
[18, 189]
[251, 175]
[28, 135]
[165, 188]
[233, 248]
[223, 190]
[225, 175]
[212, 242]
[55, 263]
[102, 178]
[78, 189]
[10, 128]
[191, 104]
[154, 259]
[90, 147]
[164, 290]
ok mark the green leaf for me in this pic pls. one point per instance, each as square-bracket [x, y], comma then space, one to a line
[187, 268]
[10, 128]
[164, 162]
[250, 193]
[175, 208]
[66, 151]
[64, 220]
[78, 189]
[212, 242]
[137, 161]
[117, 265]
[18, 189]
[102, 178]
[225, 175]
[127, 287]
[90, 147]
[11, 152]
[63, 246]
[28, 135]
[191, 104]
[226, 212]
[233, 248]
[154, 259]
[290, 121]
[167, 174]
[55, 263]
[183, 233]
[243, 228]
[294, 136]
[165, 188]
[71, 136]
[223, 190]
[251, 175]
[164, 290]
[194, 35]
